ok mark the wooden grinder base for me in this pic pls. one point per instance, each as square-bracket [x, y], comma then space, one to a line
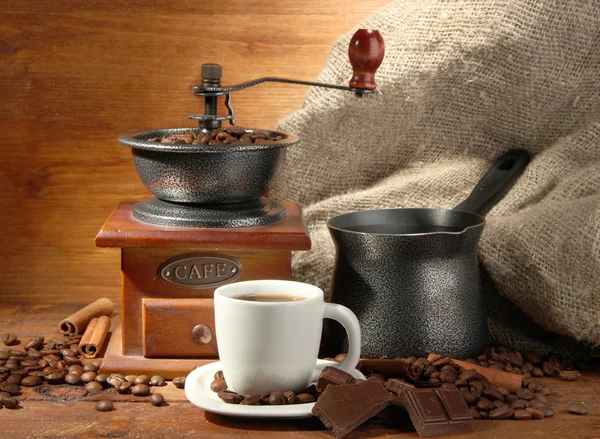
[167, 328]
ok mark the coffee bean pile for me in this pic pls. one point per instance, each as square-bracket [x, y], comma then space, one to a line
[57, 362]
[219, 386]
[522, 363]
[486, 400]
[234, 135]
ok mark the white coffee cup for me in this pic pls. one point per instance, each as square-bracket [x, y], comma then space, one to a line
[273, 346]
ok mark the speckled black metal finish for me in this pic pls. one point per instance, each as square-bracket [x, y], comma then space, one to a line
[412, 294]
[164, 213]
[206, 173]
[411, 275]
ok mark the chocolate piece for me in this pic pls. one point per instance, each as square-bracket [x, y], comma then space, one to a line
[395, 413]
[398, 386]
[437, 411]
[343, 408]
[333, 375]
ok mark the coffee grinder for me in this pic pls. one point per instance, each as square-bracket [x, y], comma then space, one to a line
[211, 223]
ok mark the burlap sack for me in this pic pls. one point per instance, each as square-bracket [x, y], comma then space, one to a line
[463, 81]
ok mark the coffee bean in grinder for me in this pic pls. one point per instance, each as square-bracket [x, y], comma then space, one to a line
[209, 224]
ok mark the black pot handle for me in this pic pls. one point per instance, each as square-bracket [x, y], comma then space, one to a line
[496, 182]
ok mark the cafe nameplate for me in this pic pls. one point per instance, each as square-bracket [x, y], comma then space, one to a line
[199, 271]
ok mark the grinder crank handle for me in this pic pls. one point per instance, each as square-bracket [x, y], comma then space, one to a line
[366, 53]
[495, 184]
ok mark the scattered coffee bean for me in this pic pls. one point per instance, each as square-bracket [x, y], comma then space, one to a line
[156, 399]
[31, 381]
[498, 404]
[4, 355]
[219, 375]
[526, 394]
[11, 388]
[570, 375]
[56, 377]
[157, 381]
[88, 376]
[68, 352]
[35, 343]
[124, 387]
[142, 379]
[90, 367]
[304, 398]
[14, 379]
[104, 406]
[340, 357]
[502, 412]
[469, 396]
[101, 378]
[72, 379]
[277, 398]
[76, 369]
[535, 413]
[522, 415]
[519, 404]
[10, 403]
[10, 339]
[115, 380]
[218, 385]
[131, 378]
[485, 404]
[140, 390]
[537, 404]
[290, 396]
[179, 382]
[251, 399]
[93, 387]
[548, 412]
[69, 361]
[448, 376]
[492, 393]
[230, 397]
[577, 409]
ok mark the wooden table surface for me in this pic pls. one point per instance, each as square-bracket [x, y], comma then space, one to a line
[52, 415]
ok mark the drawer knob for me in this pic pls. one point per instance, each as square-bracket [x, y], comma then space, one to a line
[202, 334]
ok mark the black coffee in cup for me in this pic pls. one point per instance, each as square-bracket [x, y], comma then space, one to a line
[258, 297]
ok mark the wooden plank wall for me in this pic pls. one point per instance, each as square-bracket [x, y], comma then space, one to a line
[74, 74]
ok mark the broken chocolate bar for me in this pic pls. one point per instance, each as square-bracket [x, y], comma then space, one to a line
[333, 375]
[437, 411]
[343, 408]
[398, 386]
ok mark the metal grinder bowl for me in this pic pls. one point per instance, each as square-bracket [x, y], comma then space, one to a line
[215, 174]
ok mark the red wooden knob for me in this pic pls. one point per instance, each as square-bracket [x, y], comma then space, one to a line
[366, 53]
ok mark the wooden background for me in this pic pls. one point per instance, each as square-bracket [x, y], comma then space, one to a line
[76, 74]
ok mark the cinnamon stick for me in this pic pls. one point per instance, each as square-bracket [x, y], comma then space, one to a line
[500, 378]
[77, 323]
[87, 335]
[394, 368]
[98, 336]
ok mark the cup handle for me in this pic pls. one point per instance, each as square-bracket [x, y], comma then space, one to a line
[350, 323]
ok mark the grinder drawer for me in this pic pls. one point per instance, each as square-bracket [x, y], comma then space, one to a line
[179, 328]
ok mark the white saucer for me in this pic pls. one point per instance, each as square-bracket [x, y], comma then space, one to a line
[197, 391]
